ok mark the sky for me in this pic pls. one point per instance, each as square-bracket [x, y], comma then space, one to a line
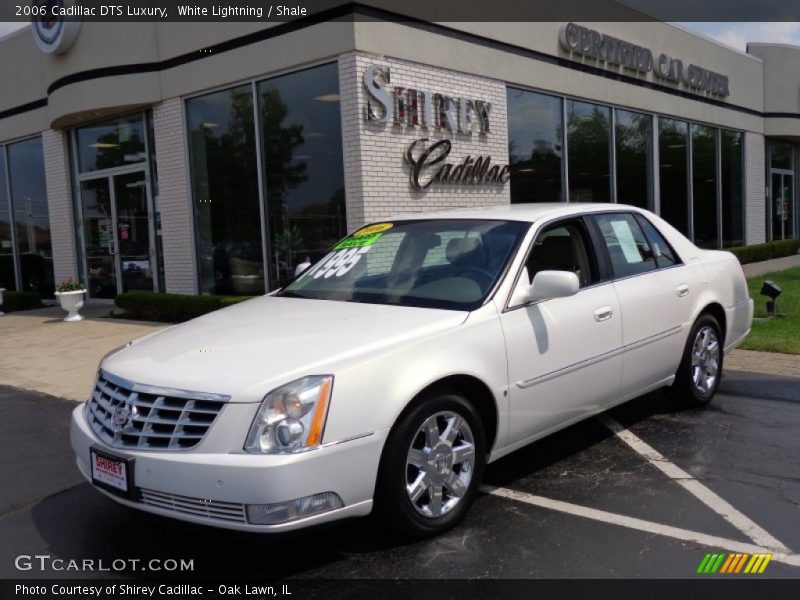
[733, 34]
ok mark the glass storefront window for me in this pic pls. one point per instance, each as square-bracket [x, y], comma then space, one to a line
[535, 130]
[29, 199]
[780, 155]
[222, 148]
[633, 139]
[7, 279]
[112, 143]
[303, 164]
[704, 186]
[673, 152]
[588, 152]
[732, 198]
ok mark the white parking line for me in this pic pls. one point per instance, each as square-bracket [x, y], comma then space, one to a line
[702, 539]
[739, 520]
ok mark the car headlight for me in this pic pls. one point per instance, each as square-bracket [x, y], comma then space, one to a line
[292, 417]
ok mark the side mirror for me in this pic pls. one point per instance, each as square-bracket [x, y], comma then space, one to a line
[553, 284]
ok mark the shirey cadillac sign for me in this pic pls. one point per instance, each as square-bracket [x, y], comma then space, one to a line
[613, 52]
[433, 112]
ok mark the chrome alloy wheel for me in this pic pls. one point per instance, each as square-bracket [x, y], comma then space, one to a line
[705, 360]
[440, 464]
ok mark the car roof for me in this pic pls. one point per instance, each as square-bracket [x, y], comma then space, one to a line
[517, 212]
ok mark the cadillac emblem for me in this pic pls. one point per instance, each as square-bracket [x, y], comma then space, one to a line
[122, 416]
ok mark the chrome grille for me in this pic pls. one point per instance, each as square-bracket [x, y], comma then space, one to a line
[212, 509]
[129, 415]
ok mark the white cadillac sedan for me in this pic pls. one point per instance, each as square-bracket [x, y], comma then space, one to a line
[387, 375]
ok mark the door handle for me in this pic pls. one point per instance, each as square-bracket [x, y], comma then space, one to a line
[682, 290]
[604, 313]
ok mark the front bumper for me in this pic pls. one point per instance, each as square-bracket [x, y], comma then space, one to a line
[182, 481]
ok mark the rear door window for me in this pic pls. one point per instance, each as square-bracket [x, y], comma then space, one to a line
[628, 248]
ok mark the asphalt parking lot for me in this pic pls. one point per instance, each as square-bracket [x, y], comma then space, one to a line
[648, 501]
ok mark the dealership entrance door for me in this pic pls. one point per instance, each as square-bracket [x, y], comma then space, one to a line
[118, 233]
[782, 205]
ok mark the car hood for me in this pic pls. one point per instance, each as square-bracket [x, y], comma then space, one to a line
[250, 348]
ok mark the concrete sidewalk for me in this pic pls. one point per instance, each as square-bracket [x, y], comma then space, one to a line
[38, 351]
[769, 266]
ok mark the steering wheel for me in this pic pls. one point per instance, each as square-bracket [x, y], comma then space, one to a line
[482, 273]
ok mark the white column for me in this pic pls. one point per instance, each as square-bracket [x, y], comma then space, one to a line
[60, 206]
[174, 200]
[755, 230]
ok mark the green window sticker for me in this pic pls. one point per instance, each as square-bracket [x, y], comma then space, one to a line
[358, 241]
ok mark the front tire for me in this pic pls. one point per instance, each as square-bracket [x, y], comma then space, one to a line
[698, 376]
[431, 467]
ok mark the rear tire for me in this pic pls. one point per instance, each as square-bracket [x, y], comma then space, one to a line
[698, 376]
[431, 466]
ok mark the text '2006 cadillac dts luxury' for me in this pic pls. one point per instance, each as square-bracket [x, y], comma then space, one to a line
[386, 375]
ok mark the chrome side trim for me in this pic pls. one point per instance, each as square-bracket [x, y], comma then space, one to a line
[162, 391]
[653, 338]
[570, 368]
[599, 358]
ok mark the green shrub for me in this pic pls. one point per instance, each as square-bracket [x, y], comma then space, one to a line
[15, 301]
[171, 308]
[759, 252]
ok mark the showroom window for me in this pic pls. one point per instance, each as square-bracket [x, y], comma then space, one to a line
[633, 139]
[8, 278]
[302, 157]
[732, 175]
[535, 134]
[673, 170]
[294, 148]
[588, 152]
[110, 144]
[704, 186]
[25, 223]
[222, 147]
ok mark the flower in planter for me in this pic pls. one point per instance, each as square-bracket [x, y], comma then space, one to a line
[70, 285]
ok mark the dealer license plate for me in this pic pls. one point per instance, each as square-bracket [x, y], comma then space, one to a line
[112, 473]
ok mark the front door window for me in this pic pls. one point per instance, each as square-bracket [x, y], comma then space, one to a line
[782, 205]
[116, 230]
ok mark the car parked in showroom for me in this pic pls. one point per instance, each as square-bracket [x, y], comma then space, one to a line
[387, 375]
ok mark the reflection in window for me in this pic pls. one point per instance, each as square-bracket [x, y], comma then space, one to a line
[6, 248]
[780, 155]
[302, 150]
[673, 152]
[225, 191]
[29, 199]
[732, 198]
[111, 144]
[588, 152]
[704, 185]
[534, 146]
[634, 135]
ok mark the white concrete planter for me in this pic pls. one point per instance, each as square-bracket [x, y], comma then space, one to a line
[71, 302]
[1, 300]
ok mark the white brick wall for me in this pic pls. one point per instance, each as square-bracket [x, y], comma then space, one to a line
[755, 188]
[376, 174]
[174, 198]
[59, 202]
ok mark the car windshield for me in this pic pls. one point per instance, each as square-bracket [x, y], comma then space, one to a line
[437, 263]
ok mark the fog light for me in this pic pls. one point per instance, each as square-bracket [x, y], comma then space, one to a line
[283, 512]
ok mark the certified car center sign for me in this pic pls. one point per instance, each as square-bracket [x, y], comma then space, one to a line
[430, 112]
[55, 24]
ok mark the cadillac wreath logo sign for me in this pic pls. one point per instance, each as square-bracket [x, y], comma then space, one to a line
[54, 24]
